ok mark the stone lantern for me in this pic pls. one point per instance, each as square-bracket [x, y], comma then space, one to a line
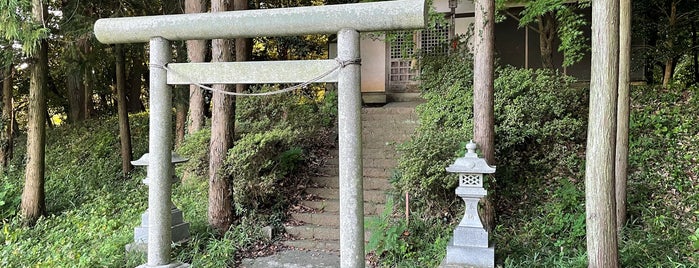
[180, 229]
[469, 247]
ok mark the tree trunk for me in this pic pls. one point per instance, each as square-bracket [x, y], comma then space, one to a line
[667, 72]
[87, 106]
[242, 45]
[622, 127]
[483, 114]
[220, 211]
[196, 52]
[33, 203]
[133, 98]
[7, 135]
[124, 127]
[669, 63]
[547, 31]
[180, 96]
[695, 52]
[74, 88]
[600, 205]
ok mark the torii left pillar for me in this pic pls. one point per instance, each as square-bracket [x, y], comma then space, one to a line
[159, 170]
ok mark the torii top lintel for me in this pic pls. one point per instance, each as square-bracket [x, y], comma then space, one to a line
[362, 17]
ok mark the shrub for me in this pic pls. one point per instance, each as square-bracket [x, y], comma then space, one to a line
[196, 148]
[539, 117]
[276, 135]
[444, 121]
[257, 165]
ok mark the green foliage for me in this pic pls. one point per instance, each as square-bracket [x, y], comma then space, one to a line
[16, 25]
[257, 165]
[196, 148]
[93, 209]
[539, 117]
[9, 198]
[569, 25]
[444, 121]
[277, 134]
[552, 230]
[396, 243]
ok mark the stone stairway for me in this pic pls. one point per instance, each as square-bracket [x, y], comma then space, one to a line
[382, 129]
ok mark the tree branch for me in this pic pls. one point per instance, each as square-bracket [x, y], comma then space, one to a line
[508, 13]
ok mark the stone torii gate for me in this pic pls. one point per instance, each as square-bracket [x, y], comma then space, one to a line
[345, 20]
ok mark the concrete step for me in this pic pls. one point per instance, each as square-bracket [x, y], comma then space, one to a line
[369, 183]
[310, 231]
[333, 206]
[388, 116]
[371, 158]
[325, 245]
[382, 145]
[392, 108]
[374, 196]
[389, 126]
[320, 219]
[368, 171]
[327, 219]
[316, 232]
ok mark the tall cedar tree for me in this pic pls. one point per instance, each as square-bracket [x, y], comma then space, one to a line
[124, 126]
[220, 213]
[483, 114]
[33, 203]
[196, 52]
[7, 135]
[600, 203]
[622, 129]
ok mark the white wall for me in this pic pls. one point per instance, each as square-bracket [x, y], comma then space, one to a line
[373, 54]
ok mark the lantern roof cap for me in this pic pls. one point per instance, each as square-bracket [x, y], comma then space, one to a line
[471, 163]
[144, 160]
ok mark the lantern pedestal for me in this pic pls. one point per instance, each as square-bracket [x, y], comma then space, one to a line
[460, 256]
[179, 229]
[469, 247]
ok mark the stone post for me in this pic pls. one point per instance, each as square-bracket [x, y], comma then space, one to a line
[159, 168]
[350, 152]
[469, 247]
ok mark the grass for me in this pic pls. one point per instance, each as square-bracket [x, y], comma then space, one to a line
[92, 209]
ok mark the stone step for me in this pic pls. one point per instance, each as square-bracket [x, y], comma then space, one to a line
[391, 126]
[374, 196]
[310, 231]
[305, 244]
[369, 183]
[371, 116]
[327, 219]
[373, 172]
[320, 219]
[333, 206]
[375, 144]
[391, 108]
[369, 158]
[316, 232]
[391, 137]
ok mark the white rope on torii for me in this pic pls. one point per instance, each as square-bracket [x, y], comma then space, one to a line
[346, 20]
